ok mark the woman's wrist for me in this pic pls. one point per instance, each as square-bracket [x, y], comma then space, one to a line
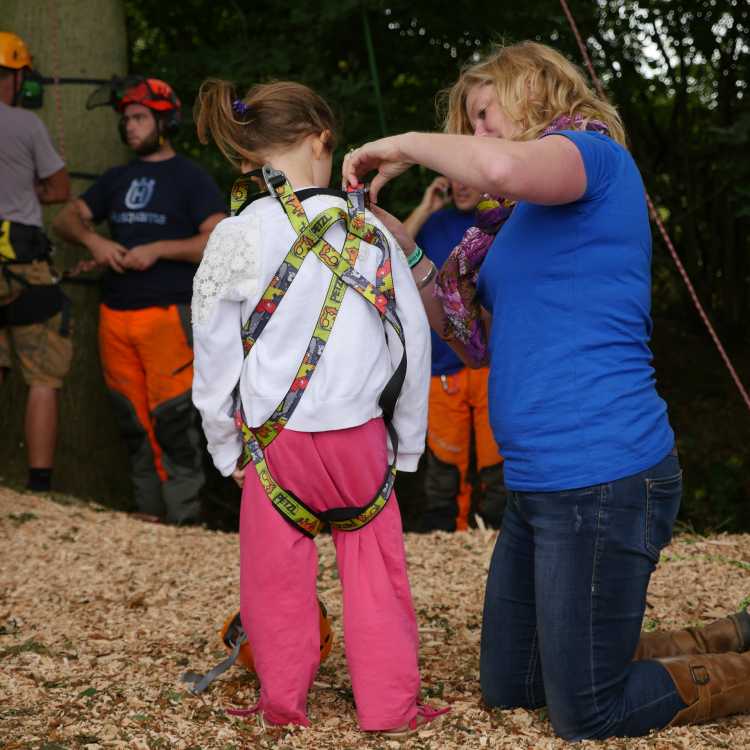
[423, 272]
[415, 256]
[402, 145]
[414, 148]
[423, 211]
[428, 277]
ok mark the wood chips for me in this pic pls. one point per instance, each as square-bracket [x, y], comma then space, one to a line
[101, 613]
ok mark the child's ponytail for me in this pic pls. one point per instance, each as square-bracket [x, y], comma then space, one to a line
[269, 117]
[215, 119]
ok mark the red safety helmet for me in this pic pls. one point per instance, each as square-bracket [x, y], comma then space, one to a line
[232, 631]
[150, 92]
[153, 93]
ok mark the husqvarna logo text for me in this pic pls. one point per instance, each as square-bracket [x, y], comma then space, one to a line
[139, 193]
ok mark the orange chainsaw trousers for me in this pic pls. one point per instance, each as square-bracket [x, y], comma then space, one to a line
[458, 409]
[147, 359]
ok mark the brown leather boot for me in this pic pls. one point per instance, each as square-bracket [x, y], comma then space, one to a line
[712, 685]
[727, 634]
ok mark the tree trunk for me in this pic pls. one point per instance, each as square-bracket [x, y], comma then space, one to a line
[76, 39]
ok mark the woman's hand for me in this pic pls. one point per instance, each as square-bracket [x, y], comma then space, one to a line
[385, 155]
[396, 228]
[436, 195]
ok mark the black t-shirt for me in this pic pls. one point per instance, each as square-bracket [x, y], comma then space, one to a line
[149, 201]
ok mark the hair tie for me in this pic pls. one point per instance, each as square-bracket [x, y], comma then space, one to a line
[239, 107]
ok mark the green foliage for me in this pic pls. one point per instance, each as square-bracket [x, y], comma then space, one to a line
[716, 494]
[676, 69]
[678, 72]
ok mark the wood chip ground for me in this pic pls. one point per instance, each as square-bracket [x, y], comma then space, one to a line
[100, 614]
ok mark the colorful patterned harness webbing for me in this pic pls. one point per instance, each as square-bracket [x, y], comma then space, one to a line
[310, 238]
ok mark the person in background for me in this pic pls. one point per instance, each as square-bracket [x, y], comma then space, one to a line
[160, 208]
[34, 313]
[458, 406]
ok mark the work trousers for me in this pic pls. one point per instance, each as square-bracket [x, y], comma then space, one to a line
[278, 575]
[458, 409]
[147, 359]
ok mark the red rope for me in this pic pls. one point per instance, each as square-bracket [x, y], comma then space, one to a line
[660, 224]
[54, 12]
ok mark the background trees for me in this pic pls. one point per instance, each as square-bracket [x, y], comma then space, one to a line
[677, 70]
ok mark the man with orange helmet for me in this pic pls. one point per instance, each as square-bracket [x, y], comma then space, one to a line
[33, 310]
[160, 208]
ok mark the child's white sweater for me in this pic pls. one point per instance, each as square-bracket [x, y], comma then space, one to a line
[240, 259]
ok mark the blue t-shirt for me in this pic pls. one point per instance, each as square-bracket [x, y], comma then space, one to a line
[439, 235]
[149, 201]
[573, 399]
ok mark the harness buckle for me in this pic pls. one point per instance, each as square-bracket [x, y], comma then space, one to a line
[364, 189]
[273, 178]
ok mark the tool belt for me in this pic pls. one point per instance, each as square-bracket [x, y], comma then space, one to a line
[381, 295]
[22, 243]
[22, 247]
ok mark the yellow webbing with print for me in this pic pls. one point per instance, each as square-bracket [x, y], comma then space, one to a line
[310, 239]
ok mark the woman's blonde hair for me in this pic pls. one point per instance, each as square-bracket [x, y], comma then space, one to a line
[270, 116]
[535, 84]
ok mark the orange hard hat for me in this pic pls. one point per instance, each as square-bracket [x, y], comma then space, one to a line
[13, 51]
[233, 627]
[152, 93]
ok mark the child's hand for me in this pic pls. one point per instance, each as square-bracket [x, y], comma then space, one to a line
[239, 476]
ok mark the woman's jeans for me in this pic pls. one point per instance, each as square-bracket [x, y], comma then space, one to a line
[564, 604]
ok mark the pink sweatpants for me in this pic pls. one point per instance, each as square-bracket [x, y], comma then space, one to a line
[278, 576]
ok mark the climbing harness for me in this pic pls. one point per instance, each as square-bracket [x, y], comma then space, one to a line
[21, 245]
[235, 641]
[381, 295]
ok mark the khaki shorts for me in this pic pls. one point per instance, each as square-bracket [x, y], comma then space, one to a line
[44, 354]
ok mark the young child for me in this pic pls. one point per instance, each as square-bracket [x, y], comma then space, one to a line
[326, 444]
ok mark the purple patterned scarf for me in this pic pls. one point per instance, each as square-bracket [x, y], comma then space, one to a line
[456, 284]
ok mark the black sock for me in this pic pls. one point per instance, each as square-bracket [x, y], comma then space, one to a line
[40, 480]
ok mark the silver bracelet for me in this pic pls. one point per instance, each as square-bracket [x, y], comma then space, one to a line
[428, 277]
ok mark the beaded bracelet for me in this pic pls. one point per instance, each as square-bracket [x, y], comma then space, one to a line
[415, 257]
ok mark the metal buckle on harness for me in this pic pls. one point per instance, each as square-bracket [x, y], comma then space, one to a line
[273, 178]
[365, 188]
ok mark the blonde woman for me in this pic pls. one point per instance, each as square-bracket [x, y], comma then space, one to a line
[561, 264]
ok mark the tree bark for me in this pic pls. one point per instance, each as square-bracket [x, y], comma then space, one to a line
[86, 39]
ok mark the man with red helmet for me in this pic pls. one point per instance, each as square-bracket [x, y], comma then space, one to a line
[33, 309]
[160, 208]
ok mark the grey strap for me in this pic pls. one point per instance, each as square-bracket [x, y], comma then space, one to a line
[201, 681]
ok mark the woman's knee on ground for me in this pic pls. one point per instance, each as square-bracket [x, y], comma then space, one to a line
[500, 691]
[574, 723]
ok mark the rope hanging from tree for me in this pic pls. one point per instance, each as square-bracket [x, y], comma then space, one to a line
[54, 14]
[659, 223]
